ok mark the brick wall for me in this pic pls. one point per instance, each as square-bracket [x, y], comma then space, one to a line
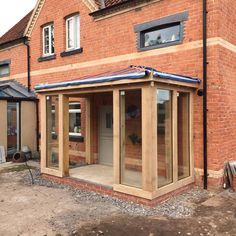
[18, 56]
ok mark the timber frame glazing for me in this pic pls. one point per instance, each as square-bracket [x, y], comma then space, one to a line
[148, 87]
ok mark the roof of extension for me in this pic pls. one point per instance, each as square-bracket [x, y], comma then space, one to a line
[11, 89]
[17, 31]
[132, 72]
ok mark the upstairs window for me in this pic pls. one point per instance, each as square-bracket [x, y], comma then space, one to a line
[161, 35]
[166, 31]
[4, 68]
[73, 32]
[48, 40]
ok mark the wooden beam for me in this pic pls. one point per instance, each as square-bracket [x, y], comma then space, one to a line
[63, 135]
[89, 131]
[116, 136]
[149, 138]
[173, 186]
[132, 191]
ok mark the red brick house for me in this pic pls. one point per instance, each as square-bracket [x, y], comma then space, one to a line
[143, 130]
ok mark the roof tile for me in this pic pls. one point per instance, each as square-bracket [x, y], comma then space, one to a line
[17, 31]
[109, 3]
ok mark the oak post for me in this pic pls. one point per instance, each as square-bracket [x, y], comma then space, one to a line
[149, 138]
[88, 131]
[116, 136]
[63, 135]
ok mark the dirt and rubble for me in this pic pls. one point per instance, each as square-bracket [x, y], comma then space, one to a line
[47, 208]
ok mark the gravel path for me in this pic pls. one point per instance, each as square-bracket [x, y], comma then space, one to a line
[180, 206]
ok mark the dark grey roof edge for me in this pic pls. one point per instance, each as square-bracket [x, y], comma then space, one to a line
[20, 88]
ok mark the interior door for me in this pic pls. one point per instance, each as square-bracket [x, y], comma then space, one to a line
[106, 136]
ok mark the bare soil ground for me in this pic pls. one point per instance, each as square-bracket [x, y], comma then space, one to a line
[49, 209]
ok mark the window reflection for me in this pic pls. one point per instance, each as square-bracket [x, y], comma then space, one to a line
[52, 132]
[130, 139]
[75, 118]
[164, 136]
[183, 136]
[163, 35]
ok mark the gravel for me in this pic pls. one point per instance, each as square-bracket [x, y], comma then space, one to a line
[180, 206]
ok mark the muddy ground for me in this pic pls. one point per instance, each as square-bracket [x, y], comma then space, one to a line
[48, 209]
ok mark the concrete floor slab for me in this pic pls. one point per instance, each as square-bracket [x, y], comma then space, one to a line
[98, 174]
[103, 175]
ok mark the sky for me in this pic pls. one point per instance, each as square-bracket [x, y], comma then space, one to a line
[11, 11]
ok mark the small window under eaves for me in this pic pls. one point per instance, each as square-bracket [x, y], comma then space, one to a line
[162, 32]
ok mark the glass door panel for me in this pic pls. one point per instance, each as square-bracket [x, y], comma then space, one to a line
[12, 128]
[130, 138]
[164, 138]
[52, 132]
[183, 136]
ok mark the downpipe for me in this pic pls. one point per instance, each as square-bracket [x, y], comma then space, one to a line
[205, 110]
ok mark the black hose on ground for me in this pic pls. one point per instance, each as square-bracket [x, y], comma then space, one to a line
[31, 175]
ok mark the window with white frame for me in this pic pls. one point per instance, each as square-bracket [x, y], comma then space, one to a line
[74, 119]
[73, 32]
[48, 40]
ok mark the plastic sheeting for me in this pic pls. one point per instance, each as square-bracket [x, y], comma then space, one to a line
[136, 72]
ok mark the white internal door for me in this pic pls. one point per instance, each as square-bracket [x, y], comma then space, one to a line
[106, 136]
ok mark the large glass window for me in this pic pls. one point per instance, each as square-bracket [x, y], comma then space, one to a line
[183, 136]
[161, 35]
[164, 138]
[131, 138]
[73, 32]
[52, 132]
[48, 40]
[162, 32]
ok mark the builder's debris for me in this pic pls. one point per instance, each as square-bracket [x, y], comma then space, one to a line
[65, 211]
[230, 175]
[177, 207]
